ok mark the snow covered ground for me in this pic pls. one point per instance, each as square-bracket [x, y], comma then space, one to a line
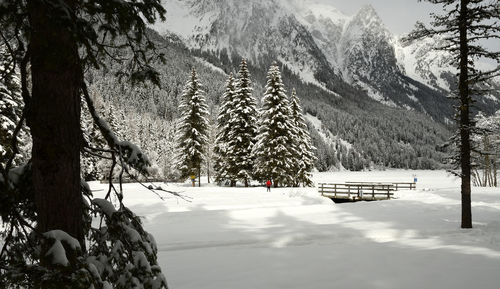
[229, 238]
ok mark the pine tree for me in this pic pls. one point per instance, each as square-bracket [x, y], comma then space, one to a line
[89, 159]
[210, 154]
[168, 151]
[9, 116]
[193, 129]
[221, 165]
[463, 25]
[243, 130]
[273, 150]
[108, 112]
[304, 159]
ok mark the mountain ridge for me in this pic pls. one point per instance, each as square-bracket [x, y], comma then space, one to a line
[325, 47]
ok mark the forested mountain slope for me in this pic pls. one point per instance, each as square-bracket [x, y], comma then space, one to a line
[372, 134]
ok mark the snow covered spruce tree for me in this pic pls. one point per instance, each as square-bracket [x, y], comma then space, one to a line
[304, 159]
[222, 160]
[193, 128]
[273, 150]
[10, 113]
[91, 134]
[49, 239]
[465, 25]
[242, 129]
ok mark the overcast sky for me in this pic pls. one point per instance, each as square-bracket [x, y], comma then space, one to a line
[398, 15]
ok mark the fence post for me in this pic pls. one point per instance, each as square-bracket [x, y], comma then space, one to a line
[335, 191]
[322, 194]
[373, 192]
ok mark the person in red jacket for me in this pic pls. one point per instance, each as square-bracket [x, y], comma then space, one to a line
[268, 185]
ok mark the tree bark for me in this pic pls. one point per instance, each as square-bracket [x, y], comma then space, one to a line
[495, 163]
[208, 171]
[465, 147]
[54, 120]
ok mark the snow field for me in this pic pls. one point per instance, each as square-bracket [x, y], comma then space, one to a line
[294, 238]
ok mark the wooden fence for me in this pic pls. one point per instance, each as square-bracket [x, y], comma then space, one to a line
[129, 180]
[397, 185]
[357, 191]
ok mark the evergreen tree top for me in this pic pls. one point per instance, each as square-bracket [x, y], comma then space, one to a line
[227, 101]
[296, 109]
[294, 102]
[244, 76]
[229, 93]
[230, 85]
[275, 90]
[192, 86]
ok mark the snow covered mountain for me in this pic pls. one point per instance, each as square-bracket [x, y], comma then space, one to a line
[260, 31]
[422, 62]
[323, 46]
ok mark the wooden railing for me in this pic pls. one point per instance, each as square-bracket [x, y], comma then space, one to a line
[357, 191]
[411, 186]
[130, 180]
[397, 185]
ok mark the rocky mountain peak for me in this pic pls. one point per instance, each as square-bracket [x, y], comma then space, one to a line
[365, 21]
[368, 12]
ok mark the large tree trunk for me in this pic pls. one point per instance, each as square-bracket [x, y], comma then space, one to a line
[54, 120]
[465, 123]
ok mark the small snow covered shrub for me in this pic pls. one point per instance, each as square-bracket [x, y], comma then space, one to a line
[121, 252]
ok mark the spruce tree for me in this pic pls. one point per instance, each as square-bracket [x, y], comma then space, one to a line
[464, 25]
[210, 154]
[243, 130]
[9, 116]
[89, 159]
[304, 159]
[221, 165]
[273, 150]
[193, 129]
[108, 112]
